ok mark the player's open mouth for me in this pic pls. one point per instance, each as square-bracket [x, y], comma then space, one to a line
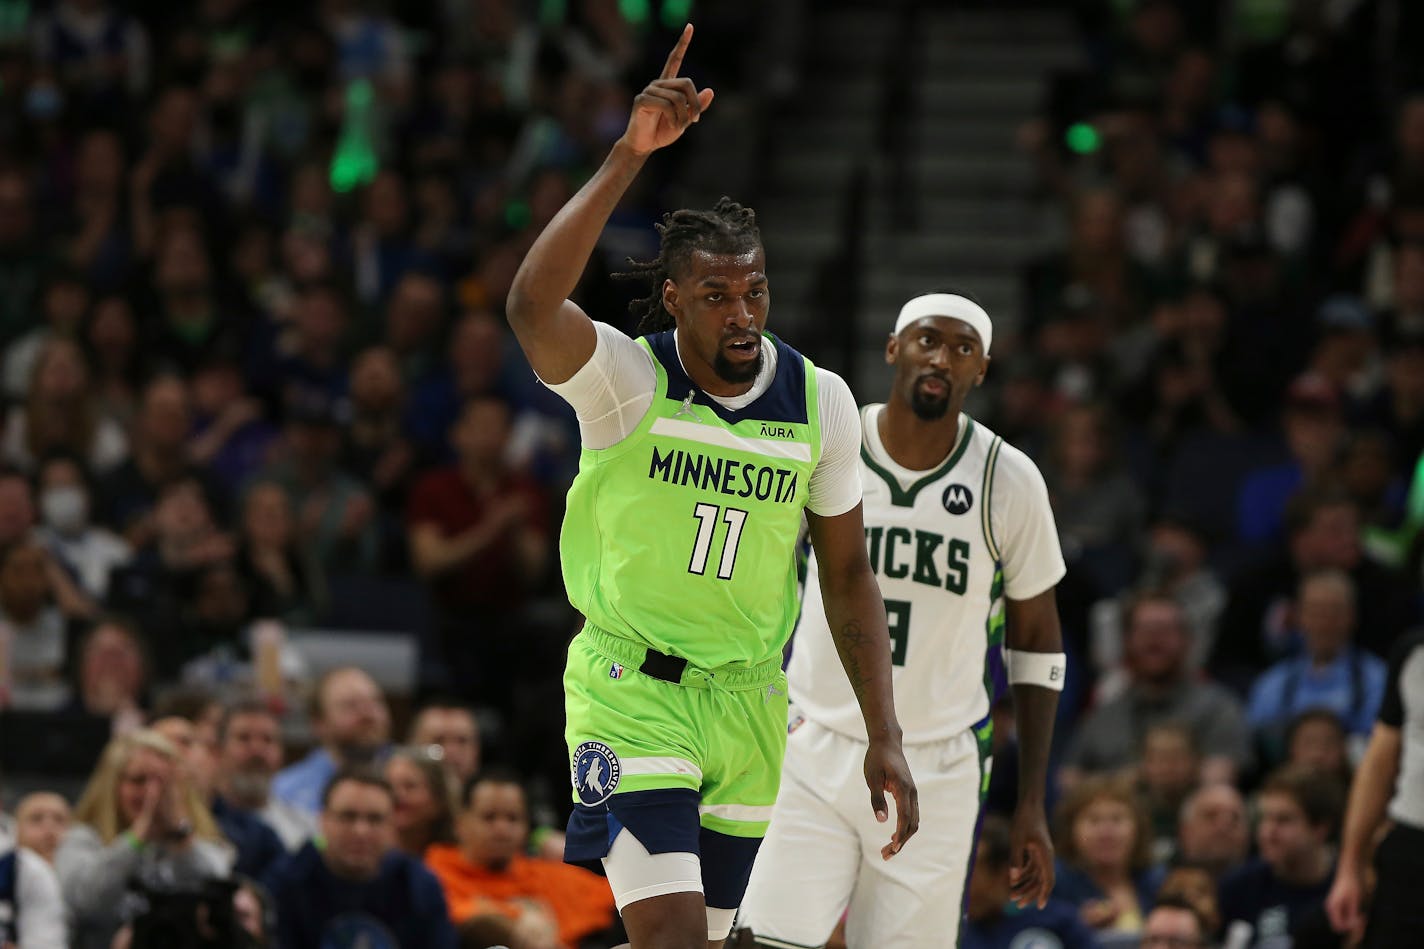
[933, 385]
[744, 347]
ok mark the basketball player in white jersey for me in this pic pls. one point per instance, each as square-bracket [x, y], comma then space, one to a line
[964, 546]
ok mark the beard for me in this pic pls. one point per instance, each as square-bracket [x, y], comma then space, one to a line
[729, 371]
[929, 407]
[250, 788]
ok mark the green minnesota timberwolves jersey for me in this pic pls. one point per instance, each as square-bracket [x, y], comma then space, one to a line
[933, 547]
[682, 536]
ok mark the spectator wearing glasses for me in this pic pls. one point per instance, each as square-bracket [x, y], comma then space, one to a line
[357, 888]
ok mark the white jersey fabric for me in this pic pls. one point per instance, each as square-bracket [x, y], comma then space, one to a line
[612, 392]
[947, 546]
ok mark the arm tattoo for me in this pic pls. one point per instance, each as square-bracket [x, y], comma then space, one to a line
[849, 643]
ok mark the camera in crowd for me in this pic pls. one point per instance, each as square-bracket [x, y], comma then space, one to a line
[198, 915]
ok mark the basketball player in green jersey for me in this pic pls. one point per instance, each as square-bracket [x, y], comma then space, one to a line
[704, 443]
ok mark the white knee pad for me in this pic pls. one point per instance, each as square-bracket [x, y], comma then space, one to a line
[634, 874]
[719, 923]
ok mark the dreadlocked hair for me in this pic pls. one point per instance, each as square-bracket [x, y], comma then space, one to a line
[729, 228]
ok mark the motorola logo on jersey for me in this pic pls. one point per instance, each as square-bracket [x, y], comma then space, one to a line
[595, 773]
[957, 499]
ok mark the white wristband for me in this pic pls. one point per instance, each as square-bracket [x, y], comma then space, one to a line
[1036, 668]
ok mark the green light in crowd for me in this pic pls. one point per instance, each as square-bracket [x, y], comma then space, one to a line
[635, 11]
[676, 13]
[1415, 503]
[355, 163]
[517, 215]
[1082, 138]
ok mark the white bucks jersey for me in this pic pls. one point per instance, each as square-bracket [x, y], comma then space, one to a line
[934, 540]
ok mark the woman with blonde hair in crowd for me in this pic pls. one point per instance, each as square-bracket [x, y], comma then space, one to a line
[424, 800]
[1104, 840]
[139, 820]
[61, 414]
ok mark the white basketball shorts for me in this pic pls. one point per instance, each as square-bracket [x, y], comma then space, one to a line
[821, 856]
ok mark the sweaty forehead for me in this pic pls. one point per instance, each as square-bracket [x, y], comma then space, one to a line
[947, 326]
[748, 265]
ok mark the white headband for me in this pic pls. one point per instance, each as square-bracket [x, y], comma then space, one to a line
[951, 305]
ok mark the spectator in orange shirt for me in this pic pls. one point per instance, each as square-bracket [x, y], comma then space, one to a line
[550, 905]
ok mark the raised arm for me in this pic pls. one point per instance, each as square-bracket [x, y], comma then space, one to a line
[856, 614]
[1034, 650]
[556, 335]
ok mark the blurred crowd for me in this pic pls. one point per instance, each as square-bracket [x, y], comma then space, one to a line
[1220, 372]
[256, 380]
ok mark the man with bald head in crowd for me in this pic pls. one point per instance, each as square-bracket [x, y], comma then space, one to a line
[1212, 831]
[352, 722]
[1330, 672]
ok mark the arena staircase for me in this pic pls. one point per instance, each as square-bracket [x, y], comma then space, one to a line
[902, 131]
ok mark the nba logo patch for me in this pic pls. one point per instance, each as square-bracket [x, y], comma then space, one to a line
[615, 671]
[796, 722]
[595, 773]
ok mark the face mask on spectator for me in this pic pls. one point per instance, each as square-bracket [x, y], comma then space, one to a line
[65, 508]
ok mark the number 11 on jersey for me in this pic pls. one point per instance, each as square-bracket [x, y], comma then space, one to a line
[706, 515]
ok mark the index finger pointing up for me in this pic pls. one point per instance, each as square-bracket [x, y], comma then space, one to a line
[674, 60]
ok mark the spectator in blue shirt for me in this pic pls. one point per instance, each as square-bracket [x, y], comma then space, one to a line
[1330, 673]
[351, 720]
[354, 887]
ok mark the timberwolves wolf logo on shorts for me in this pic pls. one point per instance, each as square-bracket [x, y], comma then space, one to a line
[595, 773]
[957, 499]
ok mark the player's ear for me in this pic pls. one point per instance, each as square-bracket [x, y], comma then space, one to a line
[670, 299]
[892, 349]
[983, 371]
